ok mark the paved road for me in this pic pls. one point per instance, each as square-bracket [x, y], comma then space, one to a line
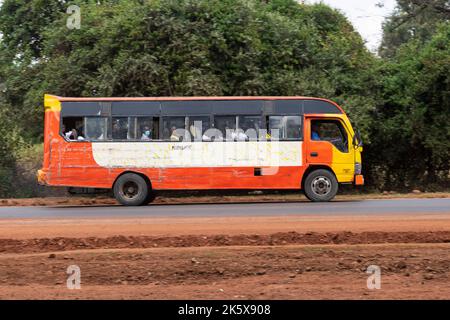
[366, 207]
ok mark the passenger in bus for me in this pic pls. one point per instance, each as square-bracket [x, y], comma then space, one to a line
[315, 132]
[174, 136]
[120, 130]
[146, 134]
[73, 135]
[69, 135]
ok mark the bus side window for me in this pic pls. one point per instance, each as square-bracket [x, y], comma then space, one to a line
[198, 125]
[293, 127]
[275, 127]
[172, 128]
[250, 127]
[144, 128]
[120, 128]
[72, 128]
[331, 131]
[96, 128]
[285, 127]
[224, 124]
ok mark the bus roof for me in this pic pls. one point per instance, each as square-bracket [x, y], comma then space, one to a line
[203, 98]
[189, 98]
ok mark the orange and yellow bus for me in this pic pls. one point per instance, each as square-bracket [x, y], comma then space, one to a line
[136, 146]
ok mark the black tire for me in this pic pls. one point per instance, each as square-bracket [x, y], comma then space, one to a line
[131, 189]
[320, 186]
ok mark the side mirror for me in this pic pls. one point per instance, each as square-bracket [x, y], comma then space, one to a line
[357, 141]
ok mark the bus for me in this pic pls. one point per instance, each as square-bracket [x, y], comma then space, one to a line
[137, 146]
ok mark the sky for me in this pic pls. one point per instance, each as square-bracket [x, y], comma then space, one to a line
[365, 16]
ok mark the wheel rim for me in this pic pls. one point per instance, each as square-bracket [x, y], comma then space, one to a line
[321, 186]
[130, 190]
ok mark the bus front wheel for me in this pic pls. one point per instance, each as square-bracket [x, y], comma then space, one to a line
[320, 186]
[131, 189]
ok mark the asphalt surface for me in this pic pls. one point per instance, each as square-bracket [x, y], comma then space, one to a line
[338, 208]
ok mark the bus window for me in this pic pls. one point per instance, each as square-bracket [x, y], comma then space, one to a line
[172, 128]
[293, 127]
[96, 128]
[72, 128]
[120, 128]
[250, 126]
[198, 126]
[331, 131]
[224, 123]
[275, 123]
[288, 127]
[145, 128]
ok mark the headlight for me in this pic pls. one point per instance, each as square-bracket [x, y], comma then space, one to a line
[358, 168]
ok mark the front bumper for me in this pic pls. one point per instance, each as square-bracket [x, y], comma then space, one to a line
[359, 180]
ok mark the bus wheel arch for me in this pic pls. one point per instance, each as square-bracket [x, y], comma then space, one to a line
[319, 183]
[133, 188]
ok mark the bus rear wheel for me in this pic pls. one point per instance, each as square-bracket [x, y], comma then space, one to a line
[131, 189]
[320, 186]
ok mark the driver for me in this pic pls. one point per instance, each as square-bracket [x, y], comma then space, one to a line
[315, 132]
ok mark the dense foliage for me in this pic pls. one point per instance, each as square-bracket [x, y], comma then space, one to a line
[411, 126]
[228, 47]
[412, 20]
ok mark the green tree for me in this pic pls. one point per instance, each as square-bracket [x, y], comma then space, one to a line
[160, 48]
[412, 20]
[236, 47]
[411, 132]
[11, 141]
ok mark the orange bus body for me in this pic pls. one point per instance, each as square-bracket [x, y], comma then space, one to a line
[73, 164]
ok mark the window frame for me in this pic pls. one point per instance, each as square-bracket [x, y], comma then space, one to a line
[108, 128]
[61, 122]
[340, 126]
[161, 127]
[138, 139]
[302, 125]
[188, 121]
[261, 122]
[128, 131]
[224, 133]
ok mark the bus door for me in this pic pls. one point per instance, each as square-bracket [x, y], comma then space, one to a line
[328, 143]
